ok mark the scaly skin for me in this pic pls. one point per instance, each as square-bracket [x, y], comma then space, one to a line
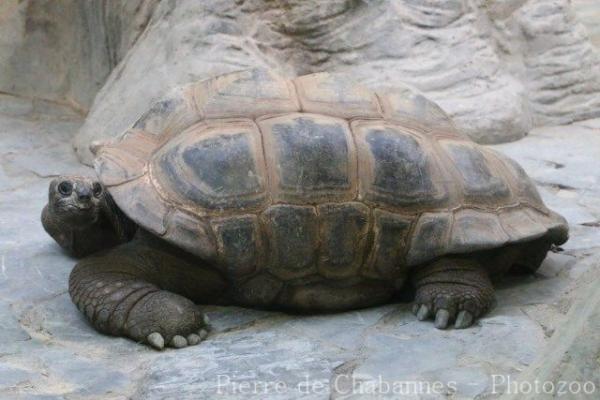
[121, 303]
[146, 289]
[118, 290]
[452, 289]
[83, 221]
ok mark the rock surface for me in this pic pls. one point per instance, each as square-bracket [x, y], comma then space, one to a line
[64, 50]
[588, 12]
[498, 67]
[48, 351]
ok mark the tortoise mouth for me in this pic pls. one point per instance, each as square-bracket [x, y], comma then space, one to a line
[77, 214]
[77, 208]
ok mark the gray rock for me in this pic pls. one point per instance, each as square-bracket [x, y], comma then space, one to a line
[588, 12]
[12, 377]
[12, 335]
[470, 382]
[47, 350]
[560, 159]
[64, 51]
[572, 354]
[498, 67]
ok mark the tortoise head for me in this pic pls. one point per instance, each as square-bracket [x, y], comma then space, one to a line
[75, 200]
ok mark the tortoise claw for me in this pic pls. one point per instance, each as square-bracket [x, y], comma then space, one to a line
[193, 339]
[415, 309]
[463, 320]
[156, 340]
[441, 319]
[423, 312]
[178, 342]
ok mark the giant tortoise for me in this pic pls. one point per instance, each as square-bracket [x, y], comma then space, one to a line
[308, 195]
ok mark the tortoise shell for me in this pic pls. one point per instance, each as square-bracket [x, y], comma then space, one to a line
[317, 178]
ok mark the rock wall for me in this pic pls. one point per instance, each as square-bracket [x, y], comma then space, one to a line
[562, 67]
[64, 50]
[498, 67]
[588, 12]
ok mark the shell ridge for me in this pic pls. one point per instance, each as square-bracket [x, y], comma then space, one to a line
[268, 183]
[456, 219]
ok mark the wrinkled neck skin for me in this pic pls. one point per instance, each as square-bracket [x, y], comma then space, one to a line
[84, 233]
[76, 234]
[72, 219]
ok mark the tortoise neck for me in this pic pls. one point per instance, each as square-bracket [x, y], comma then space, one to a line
[123, 227]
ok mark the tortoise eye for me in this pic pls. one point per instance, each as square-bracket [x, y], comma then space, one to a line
[97, 189]
[65, 188]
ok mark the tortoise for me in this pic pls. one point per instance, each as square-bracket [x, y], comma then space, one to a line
[313, 194]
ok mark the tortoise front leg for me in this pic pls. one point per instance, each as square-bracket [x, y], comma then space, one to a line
[452, 289]
[144, 293]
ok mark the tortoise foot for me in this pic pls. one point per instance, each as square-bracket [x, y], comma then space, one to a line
[452, 291]
[121, 305]
[164, 319]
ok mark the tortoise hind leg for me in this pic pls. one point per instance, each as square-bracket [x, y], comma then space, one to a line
[452, 289]
[531, 256]
[143, 292]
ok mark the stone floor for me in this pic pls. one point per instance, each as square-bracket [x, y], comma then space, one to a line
[541, 324]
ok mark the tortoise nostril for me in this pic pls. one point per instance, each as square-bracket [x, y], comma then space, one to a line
[84, 194]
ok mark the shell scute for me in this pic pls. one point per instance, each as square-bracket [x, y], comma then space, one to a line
[191, 234]
[311, 158]
[343, 233]
[335, 95]
[293, 234]
[314, 180]
[390, 243]
[430, 237]
[407, 106]
[212, 167]
[396, 168]
[247, 94]
[479, 180]
[142, 203]
[238, 240]
[473, 230]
